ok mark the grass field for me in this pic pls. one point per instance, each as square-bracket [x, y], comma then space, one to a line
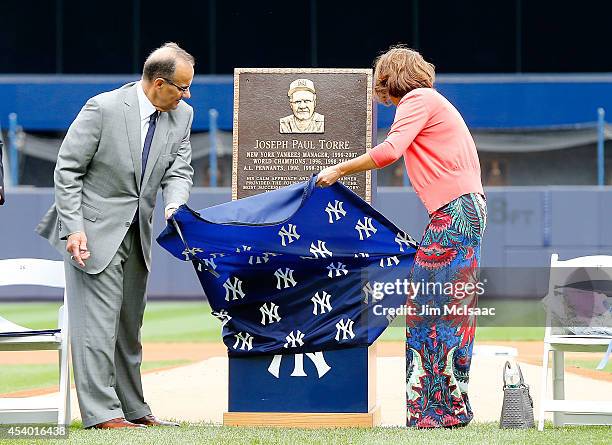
[163, 322]
[23, 377]
[484, 433]
[192, 322]
[170, 322]
[188, 322]
[33, 376]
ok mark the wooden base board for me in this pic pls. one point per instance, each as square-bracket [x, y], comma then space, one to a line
[304, 420]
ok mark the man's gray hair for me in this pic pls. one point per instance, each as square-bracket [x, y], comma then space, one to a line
[162, 61]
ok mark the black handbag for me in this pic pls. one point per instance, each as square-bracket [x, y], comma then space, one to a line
[517, 409]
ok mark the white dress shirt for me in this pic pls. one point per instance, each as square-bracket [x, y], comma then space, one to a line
[146, 110]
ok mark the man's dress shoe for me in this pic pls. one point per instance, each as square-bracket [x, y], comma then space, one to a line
[119, 422]
[151, 420]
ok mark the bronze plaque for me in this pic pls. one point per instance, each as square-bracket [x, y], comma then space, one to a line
[290, 123]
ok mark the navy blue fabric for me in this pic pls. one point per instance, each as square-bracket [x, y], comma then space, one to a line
[265, 261]
[271, 207]
[147, 143]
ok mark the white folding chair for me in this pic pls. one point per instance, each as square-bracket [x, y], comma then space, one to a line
[558, 341]
[28, 271]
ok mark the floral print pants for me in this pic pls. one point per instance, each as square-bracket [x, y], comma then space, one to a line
[439, 330]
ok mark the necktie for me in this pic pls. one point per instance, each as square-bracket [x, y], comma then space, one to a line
[147, 143]
[145, 152]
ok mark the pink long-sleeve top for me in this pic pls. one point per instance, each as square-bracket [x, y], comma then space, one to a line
[438, 149]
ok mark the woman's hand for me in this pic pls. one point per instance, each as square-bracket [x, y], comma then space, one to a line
[328, 176]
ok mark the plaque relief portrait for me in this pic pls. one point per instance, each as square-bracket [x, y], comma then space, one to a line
[303, 100]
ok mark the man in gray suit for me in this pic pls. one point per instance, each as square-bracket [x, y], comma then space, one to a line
[121, 148]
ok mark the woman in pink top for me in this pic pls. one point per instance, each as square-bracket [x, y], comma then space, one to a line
[443, 167]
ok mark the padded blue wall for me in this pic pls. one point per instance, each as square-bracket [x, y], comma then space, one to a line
[525, 225]
[485, 101]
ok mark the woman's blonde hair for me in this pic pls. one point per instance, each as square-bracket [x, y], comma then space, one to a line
[399, 71]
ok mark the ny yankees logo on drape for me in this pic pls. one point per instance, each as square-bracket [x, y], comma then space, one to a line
[365, 228]
[344, 327]
[321, 303]
[336, 270]
[368, 292]
[269, 312]
[284, 278]
[207, 263]
[320, 250]
[223, 316]
[294, 339]
[389, 261]
[288, 234]
[335, 209]
[189, 253]
[293, 270]
[243, 340]
[233, 289]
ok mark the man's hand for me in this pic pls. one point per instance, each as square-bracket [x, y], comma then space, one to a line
[170, 211]
[328, 176]
[77, 248]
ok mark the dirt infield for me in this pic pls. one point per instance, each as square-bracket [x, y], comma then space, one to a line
[191, 352]
[528, 352]
[151, 352]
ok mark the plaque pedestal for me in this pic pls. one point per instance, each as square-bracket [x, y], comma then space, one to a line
[308, 392]
[331, 388]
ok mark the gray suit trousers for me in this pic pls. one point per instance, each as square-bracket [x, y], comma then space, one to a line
[105, 312]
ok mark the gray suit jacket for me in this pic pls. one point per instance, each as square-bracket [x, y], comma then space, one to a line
[97, 175]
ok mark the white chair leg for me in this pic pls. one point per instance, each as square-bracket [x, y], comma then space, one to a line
[63, 417]
[543, 387]
[558, 374]
[64, 414]
[68, 413]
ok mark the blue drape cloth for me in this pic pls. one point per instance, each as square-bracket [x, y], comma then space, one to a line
[295, 270]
